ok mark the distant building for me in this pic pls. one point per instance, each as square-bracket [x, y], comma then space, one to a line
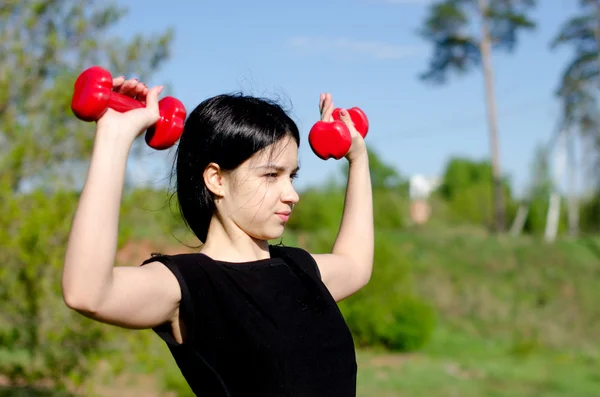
[421, 187]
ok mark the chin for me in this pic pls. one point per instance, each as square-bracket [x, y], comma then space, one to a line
[267, 235]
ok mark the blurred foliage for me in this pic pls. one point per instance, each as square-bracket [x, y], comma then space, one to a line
[590, 215]
[518, 291]
[383, 175]
[40, 338]
[454, 50]
[386, 313]
[320, 208]
[463, 33]
[467, 189]
[578, 85]
[44, 45]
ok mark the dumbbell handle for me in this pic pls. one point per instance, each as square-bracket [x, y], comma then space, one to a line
[87, 89]
[123, 103]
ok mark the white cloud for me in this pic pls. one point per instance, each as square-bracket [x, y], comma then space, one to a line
[373, 49]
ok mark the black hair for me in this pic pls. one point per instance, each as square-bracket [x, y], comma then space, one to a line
[227, 130]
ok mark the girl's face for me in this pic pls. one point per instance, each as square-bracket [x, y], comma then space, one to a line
[259, 195]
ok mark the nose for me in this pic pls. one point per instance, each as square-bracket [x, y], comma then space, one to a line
[289, 195]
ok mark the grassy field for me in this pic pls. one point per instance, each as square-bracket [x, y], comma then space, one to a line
[461, 366]
[514, 317]
[451, 365]
[474, 368]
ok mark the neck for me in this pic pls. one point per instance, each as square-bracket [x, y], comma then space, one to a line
[229, 243]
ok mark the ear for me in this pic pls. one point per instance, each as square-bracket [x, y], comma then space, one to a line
[213, 178]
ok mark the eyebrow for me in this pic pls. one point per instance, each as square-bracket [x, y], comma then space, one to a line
[277, 167]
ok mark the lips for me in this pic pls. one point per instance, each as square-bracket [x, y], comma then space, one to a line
[284, 215]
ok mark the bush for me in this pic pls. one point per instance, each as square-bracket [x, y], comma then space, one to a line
[174, 382]
[395, 321]
[40, 338]
[590, 214]
[321, 209]
[473, 204]
[389, 209]
[384, 313]
[318, 209]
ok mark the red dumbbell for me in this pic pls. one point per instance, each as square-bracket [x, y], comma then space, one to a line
[93, 95]
[329, 139]
[359, 118]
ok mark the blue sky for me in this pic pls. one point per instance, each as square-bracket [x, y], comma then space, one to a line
[367, 54]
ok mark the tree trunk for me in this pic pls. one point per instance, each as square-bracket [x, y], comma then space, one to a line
[553, 214]
[486, 59]
[552, 217]
[520, 219]
[573, 210]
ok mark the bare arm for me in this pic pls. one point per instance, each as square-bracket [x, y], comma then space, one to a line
[349, 266]
[133, 297]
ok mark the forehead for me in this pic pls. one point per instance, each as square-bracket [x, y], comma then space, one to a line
[282, 154]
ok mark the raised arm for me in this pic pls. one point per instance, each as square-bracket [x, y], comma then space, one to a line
[348, 267]
[130, 297]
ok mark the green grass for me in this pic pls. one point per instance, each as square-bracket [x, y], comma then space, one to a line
[522, 291]
[515, 317]
[454, 365]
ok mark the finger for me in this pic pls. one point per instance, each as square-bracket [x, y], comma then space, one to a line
[152, 106]
[323, 106]
[124, 86]
[118, 81]
[128, 87]
[152, 98]
[321, 100]
[328, 112]
[138, 91]
[326, 100]
[345, 117]
[142, 96]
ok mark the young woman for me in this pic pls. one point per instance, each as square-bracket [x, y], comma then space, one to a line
[241, 317]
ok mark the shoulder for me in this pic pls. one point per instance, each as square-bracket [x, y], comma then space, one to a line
[299, 256]
[185, 266]
[178, 260]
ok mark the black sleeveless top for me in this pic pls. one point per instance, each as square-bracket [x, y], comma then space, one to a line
[263, 328]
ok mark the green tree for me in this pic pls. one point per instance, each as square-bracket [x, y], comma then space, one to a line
[461, 173]
[383, 175]
[44, 45]
[465, 187]
[578, 85]
[540, 181]
[458, 49]
[537, 194]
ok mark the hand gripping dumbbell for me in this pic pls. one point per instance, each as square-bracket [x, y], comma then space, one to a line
[93, 95]
[330, 139]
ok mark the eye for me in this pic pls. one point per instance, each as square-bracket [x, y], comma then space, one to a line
[294, 176]
[271, 175]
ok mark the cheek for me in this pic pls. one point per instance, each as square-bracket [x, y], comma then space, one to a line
[256, 198]
[265, 197]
